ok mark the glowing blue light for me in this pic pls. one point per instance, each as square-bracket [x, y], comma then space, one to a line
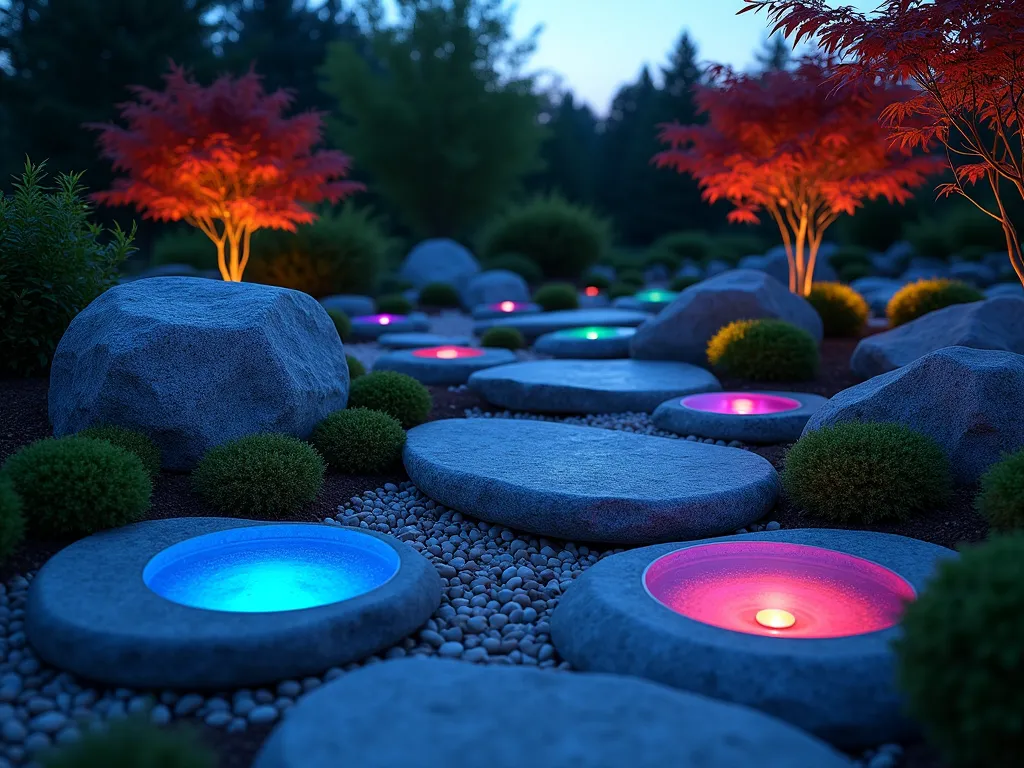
[271, 568]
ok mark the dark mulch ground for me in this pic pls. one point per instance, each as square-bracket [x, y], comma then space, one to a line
[23, 418]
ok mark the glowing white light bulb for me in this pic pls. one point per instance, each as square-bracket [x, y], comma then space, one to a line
[507, 306]
[775, 618]
[743, 406]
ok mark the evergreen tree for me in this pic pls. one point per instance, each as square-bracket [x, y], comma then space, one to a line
[568, 151]
[775, 55]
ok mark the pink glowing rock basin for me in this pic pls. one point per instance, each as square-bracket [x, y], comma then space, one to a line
[447, 353]
[740, 403]
[508, 306]
[379, 319]
[827, 593]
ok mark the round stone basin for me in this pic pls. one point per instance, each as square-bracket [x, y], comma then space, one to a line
[654, 296]
[740, 403]
[270, 568]
[448, 353]
[595, 333]
[777, 589]
[384, 319]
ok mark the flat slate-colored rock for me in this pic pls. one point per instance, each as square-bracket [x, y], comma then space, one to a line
[419, 340]
[588, 484]
[442, 372]
[590, 386]
[969, 401]
[534, 326]
[573, 344]
[993, 324]
[439, 261]
[840, 689]
[447, 710]
[493, 286]
[414, 322]
[492, 311]
[194, 363]
[681, 418]
[682, 330]
[351, 304]
[1005, 289]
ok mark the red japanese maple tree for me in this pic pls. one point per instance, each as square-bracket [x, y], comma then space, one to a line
[223, 158]
[790, 144]
[966, 58]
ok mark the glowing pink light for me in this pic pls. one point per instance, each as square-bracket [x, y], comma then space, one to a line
[447, 353]
[740, 403]
[592, 290]
[378, 319]
[778, 589]
[507, 306]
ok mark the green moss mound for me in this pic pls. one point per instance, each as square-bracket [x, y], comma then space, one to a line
[503, 338]
[342, 323]
[863, 472]
[959, 662]
[682, 283]
[439, 295]
[12, 520]
[394, 304]
[133, 743]
[355, 368]
[673, 249]
[1001, 500]
[764, 350]
[556, 296]
[75, 486]
[358, 441]
[843, 311]
[620, 290]
[132, 441]
[264, 476]
[597, 280]
[924, 296]
[631, 277]
[515, 262]
[396, 394]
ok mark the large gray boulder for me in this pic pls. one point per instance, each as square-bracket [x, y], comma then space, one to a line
[993, 324]
[683, 329]
[194, 363]
[493, 286]
[973, 273]
[968, 400]
[438, 261]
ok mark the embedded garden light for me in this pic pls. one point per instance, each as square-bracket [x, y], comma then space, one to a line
[447, 353]
[371, 327]
[592, 291]
[775, 618]
[749, 417]
[740, 403]
[507, 306]
[591, 342]
[378, 319]
[654, 296]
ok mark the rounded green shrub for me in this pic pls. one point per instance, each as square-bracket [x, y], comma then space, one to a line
[503, 338]
[673, 249]
[342, 251]
[397, 395]
[929, 237]
[732, 247]
[843, 311]
[618, 290]
[355, 368]
[522, 266]
[633, 277]
[681, 283]
[764, 350]
[958, 659]
[184, 246]
[392, 284]
[342, 323]
[358, 441]
[132, 441]
[12, 520]
[439, 295]
[75, 486]
[555, 296]
[394, 304]
[561, 238]
[1001, 500]
[862, 472]
[597, 280]
[265, 475]
[916, 299]
[132, 743]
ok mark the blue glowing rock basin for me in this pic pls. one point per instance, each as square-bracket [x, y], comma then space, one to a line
[271, 568]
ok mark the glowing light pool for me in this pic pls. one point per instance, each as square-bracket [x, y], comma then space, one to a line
[594, 333]
[740, 403]
[379, 319]
[271, 568]
[448, 353]
[654, 296]
[509, 306]
[778, 589]
[592, 291]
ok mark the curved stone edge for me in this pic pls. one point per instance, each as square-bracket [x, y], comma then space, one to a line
[414, 323]
[607, 622]
[767, 428]
[90, 612]
[442, 372]
[582, 349]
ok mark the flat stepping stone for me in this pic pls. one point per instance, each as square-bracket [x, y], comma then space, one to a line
[588, 343]
[443, 365]
[534, 326]
[372, 327]
[653, 300]
[328, 596]
[590, 386]
[506, 309]
[420, 340]
[447, 710]
[690, 621]
[750, 417]
[588, 484]
[351, 304]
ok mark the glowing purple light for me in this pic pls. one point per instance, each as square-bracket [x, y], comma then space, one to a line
[378, 319]
[447, 353]
[740, 403]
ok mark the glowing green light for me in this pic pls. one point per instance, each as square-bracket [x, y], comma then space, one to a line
[593, 333]
[655, 296]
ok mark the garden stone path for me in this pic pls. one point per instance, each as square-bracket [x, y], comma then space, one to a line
[588, 484]
[590, 386]
[447, 710]
[533, 326]
[440, 371]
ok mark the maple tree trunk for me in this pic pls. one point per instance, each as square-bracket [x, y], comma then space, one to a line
[1013, 244]
[221, 263]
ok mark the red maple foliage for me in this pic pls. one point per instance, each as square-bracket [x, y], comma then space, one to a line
[790, 144]
[223, 158]
[966, 58]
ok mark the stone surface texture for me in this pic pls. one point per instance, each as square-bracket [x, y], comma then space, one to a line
[439, 261]
[590, 386]
[194, 363]
[493, 286]
[683, 329]
[439, 372]
[968, 400]
[351, 304]
[533, 326]
[783, 427]
[588, 484]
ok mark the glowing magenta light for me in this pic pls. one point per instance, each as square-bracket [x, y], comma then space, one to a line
[740, 403]
[507, 306]
[378, 319]
[778, 589]
[447, 353]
